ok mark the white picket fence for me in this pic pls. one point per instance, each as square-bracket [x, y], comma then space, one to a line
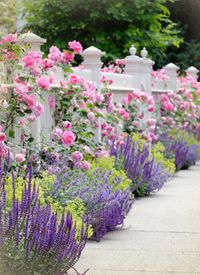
[137, 75]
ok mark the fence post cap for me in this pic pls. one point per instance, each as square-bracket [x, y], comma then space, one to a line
[192, 69]
[92, 51]
[31, 37]
[171, 67]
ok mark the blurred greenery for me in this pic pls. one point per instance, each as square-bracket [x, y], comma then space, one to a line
[8, 16]
[186, 13]
[188, 55]
[111, 25]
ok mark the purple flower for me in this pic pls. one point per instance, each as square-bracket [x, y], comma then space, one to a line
[105, 204]
[33, 238]
[145, 173]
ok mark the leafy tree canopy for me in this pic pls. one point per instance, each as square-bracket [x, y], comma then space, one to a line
[111, 25]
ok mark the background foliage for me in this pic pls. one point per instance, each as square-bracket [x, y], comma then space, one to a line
[8, 15]
[111, 25]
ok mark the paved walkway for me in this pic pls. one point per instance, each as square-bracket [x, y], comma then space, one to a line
[161, 234]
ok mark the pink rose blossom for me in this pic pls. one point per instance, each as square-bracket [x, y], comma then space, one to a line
[136, 123]
[43, 83]
[31, 59]
[78, 165]
[38, 110]
[104, 133]
[9, 38]
[68, 138]
[120, 62]
[77, 156]
[57, 134]
[91, 116]
[2, 137]
[46, 64]
[141, 116]
[75, 46]
[99, 99]
[67, 125]
[54, 54]
[3, 150]
[126, 116]
[29, 100]
[21, 89]
[151, 108]
[67, 57]
[22, 122]
[73, 79]
[168, 106]
[85, 165]
[20, 158]
[164, 98]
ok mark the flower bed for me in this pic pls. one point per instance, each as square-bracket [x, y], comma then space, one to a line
[71, 186]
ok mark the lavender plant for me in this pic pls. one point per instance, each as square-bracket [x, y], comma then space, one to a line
[185, 154]
[33, 239]
[105, 206]
[184, 148]
[147, 175]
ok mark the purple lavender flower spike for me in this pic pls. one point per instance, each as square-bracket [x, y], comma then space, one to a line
[45, 243]
[105, 207]
[146, 175]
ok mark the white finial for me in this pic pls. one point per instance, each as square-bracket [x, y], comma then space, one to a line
[132, 50]
[144, 53]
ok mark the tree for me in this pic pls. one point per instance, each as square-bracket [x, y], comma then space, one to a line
[8, 16]
[186, 13]
[111, 25]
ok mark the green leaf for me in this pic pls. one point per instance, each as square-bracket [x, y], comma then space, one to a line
[11, 134]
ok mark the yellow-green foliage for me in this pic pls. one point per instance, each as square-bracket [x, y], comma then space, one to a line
[139, 140]
[157, 151]
[187, 137]
[108, 164]
[76, 207]
[20, 182]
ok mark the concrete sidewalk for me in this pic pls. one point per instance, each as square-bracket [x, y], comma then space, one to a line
[161, 234]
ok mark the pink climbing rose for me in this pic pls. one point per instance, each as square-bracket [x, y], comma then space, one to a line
[73, 79]
[20, 157]
[75, 46]
[2, 137]
[43, 83]
[68, 138]
[85, 165]
[77, 156]
[67, 125]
